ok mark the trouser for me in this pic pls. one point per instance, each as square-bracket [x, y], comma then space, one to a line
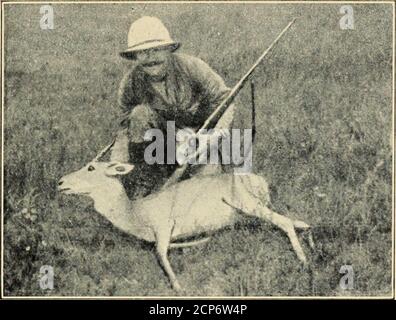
[130, 145]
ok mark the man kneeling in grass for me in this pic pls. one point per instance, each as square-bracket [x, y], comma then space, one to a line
[161, 86]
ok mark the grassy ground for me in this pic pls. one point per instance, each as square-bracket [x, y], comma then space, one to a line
[324, 107]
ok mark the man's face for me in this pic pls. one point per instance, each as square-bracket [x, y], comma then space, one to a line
[154, 61]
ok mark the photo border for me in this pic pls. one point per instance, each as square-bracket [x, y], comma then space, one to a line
[198, 298]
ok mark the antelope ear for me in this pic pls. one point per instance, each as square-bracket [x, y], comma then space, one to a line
[118, 168]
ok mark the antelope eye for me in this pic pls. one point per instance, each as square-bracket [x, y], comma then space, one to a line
[91, 168]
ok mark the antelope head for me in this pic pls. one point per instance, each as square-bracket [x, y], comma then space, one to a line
[96, 177]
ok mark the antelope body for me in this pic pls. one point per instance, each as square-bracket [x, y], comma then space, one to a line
[191, 207]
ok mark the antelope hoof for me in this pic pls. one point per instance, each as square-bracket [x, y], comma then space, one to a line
[311, 241]
[301, 225]
[177, 287]
[307, 234]
[304, 261]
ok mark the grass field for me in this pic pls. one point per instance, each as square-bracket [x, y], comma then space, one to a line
[324, 131]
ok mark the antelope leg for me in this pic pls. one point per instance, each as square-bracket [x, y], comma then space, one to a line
[175, 245]
[254, 208]
[307, 228]
[286, 224]
[162, 252]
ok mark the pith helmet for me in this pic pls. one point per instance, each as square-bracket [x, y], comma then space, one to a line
[146, 33]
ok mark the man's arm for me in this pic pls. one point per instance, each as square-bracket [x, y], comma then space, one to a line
[212, 90]
[211, 85]
[126, 101]
[127, 95]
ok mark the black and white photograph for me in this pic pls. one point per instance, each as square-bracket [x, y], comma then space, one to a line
[231, 149]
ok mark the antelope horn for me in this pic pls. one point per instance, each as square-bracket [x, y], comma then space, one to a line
[104, 151]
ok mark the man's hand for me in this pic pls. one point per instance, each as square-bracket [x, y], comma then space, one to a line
[190, 147]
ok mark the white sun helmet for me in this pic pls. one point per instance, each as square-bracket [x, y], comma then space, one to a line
[146, 33]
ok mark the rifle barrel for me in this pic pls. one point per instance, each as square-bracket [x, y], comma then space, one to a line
[215, 116]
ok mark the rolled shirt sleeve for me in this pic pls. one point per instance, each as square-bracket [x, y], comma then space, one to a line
[213, 91]
[126, 95]
[211, 86]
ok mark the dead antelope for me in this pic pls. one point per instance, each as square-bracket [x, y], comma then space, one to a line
[198, 205]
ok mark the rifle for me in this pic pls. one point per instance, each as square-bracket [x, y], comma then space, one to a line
[220, 110]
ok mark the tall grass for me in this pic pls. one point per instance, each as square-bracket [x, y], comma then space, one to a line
[324, 107]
